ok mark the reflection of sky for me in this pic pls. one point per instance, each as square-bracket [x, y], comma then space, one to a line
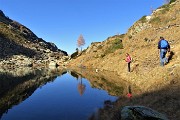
[60, 100]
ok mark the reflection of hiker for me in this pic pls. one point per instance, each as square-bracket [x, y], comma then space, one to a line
[128, 60]
[129, 95]
[163, 46]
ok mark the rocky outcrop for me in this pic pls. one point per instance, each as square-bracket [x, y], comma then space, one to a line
[94, 47]
[141, 113]
[19, 46]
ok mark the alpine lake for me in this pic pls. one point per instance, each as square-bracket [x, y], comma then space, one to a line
[58, 94]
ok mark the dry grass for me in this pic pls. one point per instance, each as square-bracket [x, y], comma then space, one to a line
[146, 73]
[159, 86]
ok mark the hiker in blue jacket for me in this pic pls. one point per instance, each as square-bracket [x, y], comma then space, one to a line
[164, 47]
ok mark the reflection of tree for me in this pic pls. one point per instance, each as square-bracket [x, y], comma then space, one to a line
[81, 87]
[103, 80]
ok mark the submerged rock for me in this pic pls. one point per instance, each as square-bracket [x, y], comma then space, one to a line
[141, 113]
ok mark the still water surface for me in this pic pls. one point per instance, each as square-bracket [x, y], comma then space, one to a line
[61, 97]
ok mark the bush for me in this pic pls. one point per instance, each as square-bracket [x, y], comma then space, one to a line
[155, 20]
[172, 1]
[145, 39]
[116, 44]
[165, 8]
[143, 19]
[130, 36]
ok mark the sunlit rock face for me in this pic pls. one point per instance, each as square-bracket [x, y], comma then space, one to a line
[19, 46]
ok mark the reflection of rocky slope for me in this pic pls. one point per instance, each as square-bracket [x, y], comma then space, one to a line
[20, 46]
[15, 88]
[105, 80]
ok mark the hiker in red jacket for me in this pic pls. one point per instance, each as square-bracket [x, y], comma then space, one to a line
[128, 60]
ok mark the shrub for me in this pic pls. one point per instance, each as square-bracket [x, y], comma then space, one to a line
[116, 44]
[165, 8]
[145, 39]
[130, 36]
[102, 55]
[155, 20]
[172, 1]
[143, 19]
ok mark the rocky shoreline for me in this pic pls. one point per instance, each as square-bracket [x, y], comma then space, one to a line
[20, 61]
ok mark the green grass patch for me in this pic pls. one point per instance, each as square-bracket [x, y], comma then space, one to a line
[155, 20]
[143, 19]
[165, 9]
[172, 1]
[115, 45]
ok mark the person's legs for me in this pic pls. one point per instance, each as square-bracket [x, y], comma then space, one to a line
[129, 69]
[163, 58]
[166, 58]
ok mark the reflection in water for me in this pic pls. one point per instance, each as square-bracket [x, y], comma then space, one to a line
[103, 80]
[81, 87]
[18, 85]
[74, 74]
[107, 81]
[129, 95]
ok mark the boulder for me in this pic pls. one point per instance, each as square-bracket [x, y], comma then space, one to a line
[53, 64]
[141, 113]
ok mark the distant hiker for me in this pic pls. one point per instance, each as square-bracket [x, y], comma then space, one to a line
[164, 47]
[128, 60]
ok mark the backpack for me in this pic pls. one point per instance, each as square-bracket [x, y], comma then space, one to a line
[164, 44]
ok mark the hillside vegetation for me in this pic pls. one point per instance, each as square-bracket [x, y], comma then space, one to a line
[141, 43]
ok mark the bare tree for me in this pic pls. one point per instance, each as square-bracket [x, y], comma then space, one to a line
[152, 10]
[80, 41]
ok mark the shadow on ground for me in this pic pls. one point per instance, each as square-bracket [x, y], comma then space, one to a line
[165, 101]
[9, 48]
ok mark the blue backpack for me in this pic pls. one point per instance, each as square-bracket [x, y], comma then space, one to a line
[164, 44]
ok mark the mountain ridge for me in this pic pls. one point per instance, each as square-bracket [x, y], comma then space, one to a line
[19, 43]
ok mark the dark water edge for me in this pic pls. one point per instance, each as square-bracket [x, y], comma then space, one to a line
[19, 86]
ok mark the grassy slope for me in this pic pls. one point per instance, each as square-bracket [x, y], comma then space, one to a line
[159, 85]
[142, 46]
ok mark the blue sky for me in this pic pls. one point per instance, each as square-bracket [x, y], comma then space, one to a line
[62, 21]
